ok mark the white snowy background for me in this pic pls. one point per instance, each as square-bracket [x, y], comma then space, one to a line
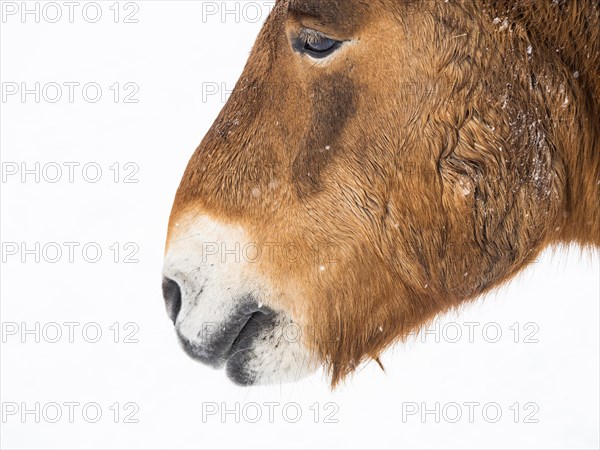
[545, 385]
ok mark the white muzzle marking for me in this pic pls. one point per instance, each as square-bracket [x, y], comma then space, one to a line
[227, 315]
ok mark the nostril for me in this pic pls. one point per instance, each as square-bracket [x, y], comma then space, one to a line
[172, 296]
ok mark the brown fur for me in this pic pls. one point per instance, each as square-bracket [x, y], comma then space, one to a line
[430, 162]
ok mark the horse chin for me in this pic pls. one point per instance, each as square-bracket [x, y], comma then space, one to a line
[269, 350]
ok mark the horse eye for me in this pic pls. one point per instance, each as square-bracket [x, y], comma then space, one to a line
[315, 44]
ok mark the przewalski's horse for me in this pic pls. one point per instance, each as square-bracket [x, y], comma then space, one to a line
[380, 162]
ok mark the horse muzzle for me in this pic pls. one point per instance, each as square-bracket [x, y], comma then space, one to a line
[223, 311]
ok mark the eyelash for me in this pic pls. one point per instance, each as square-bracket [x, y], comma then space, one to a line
[307, 42]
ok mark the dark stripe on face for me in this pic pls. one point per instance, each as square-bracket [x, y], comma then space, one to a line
[333, 102]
